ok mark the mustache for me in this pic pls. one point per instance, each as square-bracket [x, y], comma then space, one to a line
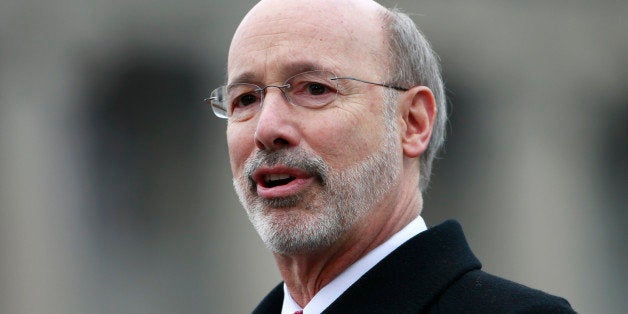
[293, 158]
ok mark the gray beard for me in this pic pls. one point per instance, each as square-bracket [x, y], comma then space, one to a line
[346, 196]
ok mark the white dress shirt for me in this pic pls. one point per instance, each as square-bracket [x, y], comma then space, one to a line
[329, 293]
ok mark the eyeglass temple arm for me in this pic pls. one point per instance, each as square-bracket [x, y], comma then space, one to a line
[403, 89]
[209, 101]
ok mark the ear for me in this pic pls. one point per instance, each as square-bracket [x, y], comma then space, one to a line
[418, 111]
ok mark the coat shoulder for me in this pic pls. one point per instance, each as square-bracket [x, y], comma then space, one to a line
[480, 292]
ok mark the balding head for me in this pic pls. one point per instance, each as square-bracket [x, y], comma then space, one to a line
[342, 34]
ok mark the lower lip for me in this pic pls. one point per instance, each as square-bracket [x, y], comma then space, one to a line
[292, 188]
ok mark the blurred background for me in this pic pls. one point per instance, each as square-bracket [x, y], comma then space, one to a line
[115, 189]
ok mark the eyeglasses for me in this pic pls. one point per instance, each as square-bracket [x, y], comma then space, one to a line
[311, 89]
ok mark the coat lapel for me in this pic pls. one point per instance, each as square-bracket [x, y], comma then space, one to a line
[272, 302]
[413, 276]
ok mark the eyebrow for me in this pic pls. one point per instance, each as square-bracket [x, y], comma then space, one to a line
[246, 77]
[287, 70]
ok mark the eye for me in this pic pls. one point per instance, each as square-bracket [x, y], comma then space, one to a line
[246, 100]
[317, 88]
[313, 89]
[243, 97]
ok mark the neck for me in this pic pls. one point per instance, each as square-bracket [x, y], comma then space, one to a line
[306, 274]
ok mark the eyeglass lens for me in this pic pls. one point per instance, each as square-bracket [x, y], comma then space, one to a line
[312, 89]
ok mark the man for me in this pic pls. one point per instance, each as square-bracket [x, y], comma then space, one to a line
[335, 113]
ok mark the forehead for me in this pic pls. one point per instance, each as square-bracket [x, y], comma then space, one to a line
[271, 44]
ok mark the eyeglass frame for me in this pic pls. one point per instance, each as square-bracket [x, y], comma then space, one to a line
[218, 108]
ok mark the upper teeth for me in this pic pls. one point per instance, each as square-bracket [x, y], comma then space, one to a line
[275, 177]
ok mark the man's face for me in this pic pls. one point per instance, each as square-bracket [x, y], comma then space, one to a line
[306, 176]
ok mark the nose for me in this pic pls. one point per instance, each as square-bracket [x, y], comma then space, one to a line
[276, 126]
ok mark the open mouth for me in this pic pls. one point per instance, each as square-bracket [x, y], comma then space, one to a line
[273, 180]
[280, 181]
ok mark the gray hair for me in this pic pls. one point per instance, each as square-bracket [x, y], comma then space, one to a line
[413, 63]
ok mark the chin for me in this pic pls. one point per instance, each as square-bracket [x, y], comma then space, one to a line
[295, 231]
